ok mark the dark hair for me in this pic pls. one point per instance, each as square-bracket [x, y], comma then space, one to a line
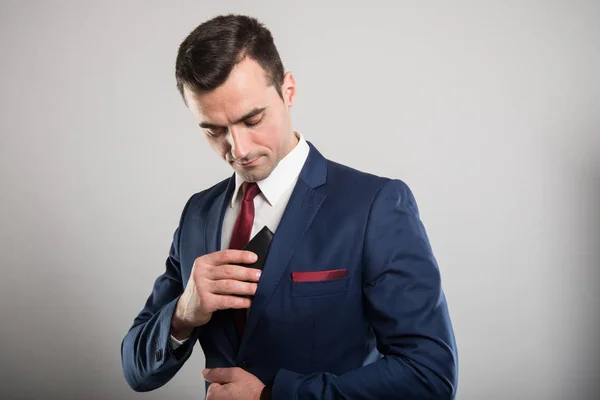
[209, 53]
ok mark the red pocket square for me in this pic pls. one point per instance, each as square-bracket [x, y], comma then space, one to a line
[315, 276]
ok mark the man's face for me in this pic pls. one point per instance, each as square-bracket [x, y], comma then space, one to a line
[245, 120]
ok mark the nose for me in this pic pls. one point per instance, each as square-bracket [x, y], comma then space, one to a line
[240, 143]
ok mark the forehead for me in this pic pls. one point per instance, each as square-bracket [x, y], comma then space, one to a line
[246, 88]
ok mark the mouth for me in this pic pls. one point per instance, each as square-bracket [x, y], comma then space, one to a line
[250, 163]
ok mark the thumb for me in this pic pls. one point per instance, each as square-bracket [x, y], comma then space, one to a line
[218, 375]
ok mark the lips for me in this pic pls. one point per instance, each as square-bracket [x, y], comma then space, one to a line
[251, 163]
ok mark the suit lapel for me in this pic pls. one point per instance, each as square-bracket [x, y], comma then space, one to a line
[214, 219]
[212, 239]
[299, 213]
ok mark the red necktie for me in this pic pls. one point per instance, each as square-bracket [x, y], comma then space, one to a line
[241, 236]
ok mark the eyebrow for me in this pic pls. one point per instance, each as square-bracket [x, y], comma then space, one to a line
[252, 113]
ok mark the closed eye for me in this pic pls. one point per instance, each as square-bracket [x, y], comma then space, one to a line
[214, 132]
[252, 122]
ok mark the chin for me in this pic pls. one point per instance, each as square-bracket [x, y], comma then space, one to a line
[256, 175]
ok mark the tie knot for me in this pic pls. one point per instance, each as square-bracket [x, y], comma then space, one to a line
[250, 190]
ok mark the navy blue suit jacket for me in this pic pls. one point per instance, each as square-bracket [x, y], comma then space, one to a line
[381, 332]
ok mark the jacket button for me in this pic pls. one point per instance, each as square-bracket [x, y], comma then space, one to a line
[243, 364]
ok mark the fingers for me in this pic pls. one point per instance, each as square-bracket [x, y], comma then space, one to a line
[221, 375]
[221, 302]
[230, 286]
[222, 265]
[213, 391]
[219, 285]
[232, 256]
[216, 375]
[236, 272]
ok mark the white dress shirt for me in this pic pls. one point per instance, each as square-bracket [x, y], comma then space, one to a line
[270, 203]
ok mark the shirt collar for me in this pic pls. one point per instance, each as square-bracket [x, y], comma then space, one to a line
[282, 176]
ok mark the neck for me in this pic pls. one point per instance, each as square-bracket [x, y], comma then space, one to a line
[294, 141]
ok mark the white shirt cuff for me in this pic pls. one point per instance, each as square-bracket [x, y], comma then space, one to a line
[176, 343]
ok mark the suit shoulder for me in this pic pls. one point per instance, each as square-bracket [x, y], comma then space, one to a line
[212, 191]
[369, 185]
[361, 179]
[200, 200]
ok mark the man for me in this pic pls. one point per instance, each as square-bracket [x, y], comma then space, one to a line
[349, 304]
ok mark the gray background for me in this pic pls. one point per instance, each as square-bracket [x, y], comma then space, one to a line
[489, 110]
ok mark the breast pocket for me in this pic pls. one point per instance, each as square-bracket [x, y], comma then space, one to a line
[320, 288]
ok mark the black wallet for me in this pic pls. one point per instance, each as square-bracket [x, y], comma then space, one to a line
[259, 245]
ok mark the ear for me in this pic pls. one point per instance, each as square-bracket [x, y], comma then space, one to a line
[288, 89]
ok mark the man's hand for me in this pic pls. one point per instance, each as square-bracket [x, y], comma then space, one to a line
[215, 284]
[232, 384]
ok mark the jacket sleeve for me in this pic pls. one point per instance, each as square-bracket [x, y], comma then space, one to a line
[147, 357]
[406, 307]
